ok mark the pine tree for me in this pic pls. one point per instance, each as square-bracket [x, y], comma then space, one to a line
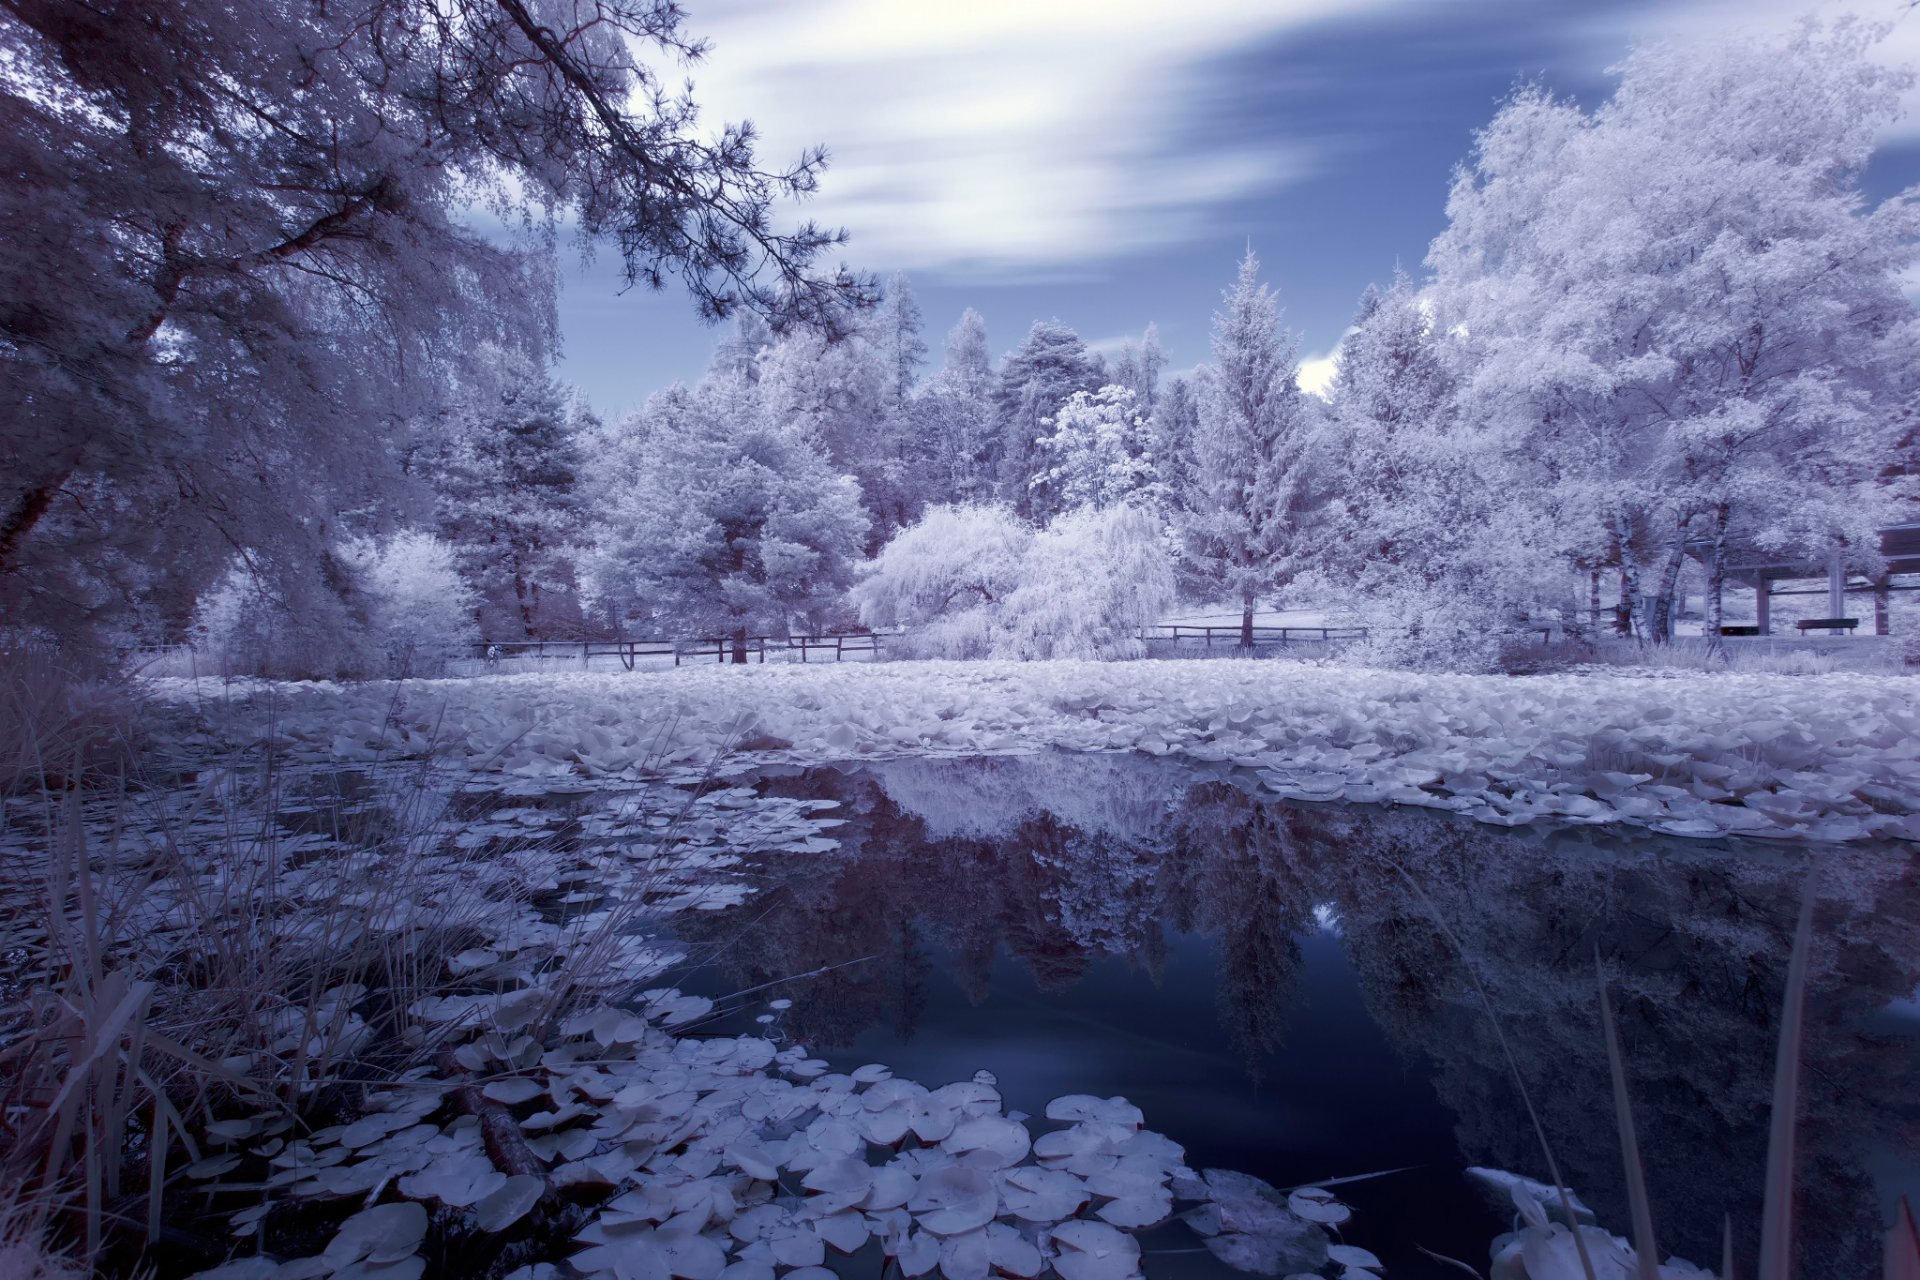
[736, 522]
[505, 476]
[1034, 382]
[895, 330]
[1253, 463]
[955, 416]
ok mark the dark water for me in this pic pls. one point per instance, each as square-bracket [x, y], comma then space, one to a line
[1294, 990]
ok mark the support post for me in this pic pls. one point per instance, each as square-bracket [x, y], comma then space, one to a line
[1882, 589]
[1763, 603]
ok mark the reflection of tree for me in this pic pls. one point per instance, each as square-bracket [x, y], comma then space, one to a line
[1025, 855]
[1696, 948]
[1234, 879]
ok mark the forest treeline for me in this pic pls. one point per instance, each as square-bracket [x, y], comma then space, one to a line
[1667, 329]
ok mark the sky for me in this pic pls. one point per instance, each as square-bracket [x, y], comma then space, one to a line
[1107, 162]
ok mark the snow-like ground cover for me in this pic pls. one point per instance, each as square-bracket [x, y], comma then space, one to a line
[1832, 757]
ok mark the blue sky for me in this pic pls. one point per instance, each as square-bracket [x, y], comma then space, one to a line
[1106, 162]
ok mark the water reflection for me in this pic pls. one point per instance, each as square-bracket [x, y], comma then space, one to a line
[1065, 864]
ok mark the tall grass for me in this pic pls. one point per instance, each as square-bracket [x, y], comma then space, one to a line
[174, 962]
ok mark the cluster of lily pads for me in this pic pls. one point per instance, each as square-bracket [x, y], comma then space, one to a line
[733, 1158]
[1796, 758]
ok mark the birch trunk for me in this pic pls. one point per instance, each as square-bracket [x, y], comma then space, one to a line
[1717, 574]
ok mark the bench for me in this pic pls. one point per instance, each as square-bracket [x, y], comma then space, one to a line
[1739, 631]
[1826, 624]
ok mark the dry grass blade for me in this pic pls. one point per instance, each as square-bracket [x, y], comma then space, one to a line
[1513, 1068]
[1451, 1262]
[1776, 1215]
[1647, 1252]
[1903, 1246]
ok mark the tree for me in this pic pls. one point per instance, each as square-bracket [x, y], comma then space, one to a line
[735, 522]
[894, 330]
[422, 609]
[1253, 453]
[1092, 583]
[837, 393]
[956, 415]
[260, 213]
[946, 578]
[1034, 382]
[506, 474]
[1418, 526]
[1099, 454]
[1138, 369]
[1680, 308]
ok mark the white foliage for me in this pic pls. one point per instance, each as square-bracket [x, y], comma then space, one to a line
[1684, 321]
[1099, 451]
[974, 582]
[421, 610]
[946, 578]
[1092, 581]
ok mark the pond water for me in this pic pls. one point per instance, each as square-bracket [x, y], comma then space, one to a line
[1303, 992]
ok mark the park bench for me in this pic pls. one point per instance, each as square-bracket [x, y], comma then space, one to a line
[1739, 631]
[1826, 624]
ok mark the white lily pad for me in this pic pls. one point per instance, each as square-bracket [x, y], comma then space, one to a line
[1316, 1204]
[384, 1233]
[953, 1200]
[508, 1203]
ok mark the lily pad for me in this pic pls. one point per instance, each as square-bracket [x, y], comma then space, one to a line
[508, 1203]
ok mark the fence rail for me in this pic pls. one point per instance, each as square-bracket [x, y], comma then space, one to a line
[721, 648]
[1230, 635]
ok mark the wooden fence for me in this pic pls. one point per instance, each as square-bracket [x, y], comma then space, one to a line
[1229, 636]
[720, 648]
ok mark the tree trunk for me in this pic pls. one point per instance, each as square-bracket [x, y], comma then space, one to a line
[1623, 609]
[740, 646]
[13, 534]
[1881, 586]
[1717, 575]
[1593, 601]
[1661, 611]
[1246, 619]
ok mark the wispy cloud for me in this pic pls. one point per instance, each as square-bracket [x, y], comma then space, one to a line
[1317, 372]
[1005, 137]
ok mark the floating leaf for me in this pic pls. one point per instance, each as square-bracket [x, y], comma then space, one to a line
[1318, 1205]
[508, 1203]
[384, 1233]
[954, 1199]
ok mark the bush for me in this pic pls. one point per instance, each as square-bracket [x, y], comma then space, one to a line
[1091, 582]
[395, 606]
[947, 578]
[423, 612]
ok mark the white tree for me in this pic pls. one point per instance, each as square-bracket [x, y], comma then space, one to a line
[1099, 453]
[1253, 464]
[955, 412]
[1680, 308]
[735, 522]
[946, 579]
[1418, 530]
[421, 609]
[1093, 581]
[259, 214]
[1034, 381]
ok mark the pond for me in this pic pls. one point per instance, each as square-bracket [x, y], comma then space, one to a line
[1303, 992]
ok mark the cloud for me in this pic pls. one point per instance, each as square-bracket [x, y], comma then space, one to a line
[1316, 372]
[1001, 137]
